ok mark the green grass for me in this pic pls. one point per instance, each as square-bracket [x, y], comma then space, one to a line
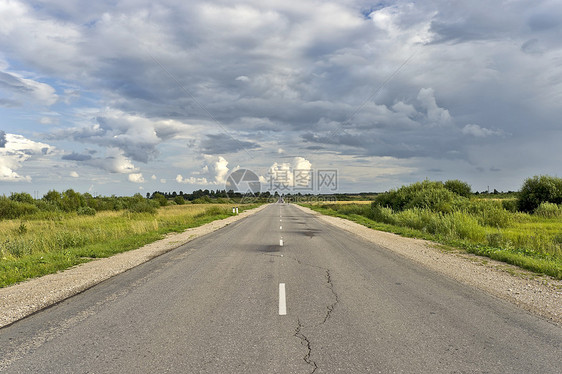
[529, 241]
[43, 246]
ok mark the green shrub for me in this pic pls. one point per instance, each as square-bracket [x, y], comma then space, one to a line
[22, 229]
[459, 187]
[537, 190]
[203, 200]
[380, 214]
[424, 195]
[10, 209]
[161, 199]
[22, 197]
[510, 205]
[488, 212]
[179, 200]
[144, 206]
[71, 201]
[86, 211]
[549, 210]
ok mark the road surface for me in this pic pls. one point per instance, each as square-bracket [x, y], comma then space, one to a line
[281, 292]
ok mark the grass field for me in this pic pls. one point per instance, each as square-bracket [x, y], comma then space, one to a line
[41, 246]
[531, 241]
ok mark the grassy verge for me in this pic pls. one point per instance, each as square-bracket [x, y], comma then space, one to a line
[42, 246]
[528, 241]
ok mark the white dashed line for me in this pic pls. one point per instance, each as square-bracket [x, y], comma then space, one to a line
[282, 300]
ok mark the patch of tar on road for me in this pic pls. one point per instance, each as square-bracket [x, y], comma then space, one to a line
[269, 248]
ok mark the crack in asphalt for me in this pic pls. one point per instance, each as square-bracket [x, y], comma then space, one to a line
[305, 342]
[332, 306]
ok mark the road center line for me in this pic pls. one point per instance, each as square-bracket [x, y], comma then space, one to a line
[282, 300]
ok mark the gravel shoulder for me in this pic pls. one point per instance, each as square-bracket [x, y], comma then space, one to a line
[538, 294]
[23, 299]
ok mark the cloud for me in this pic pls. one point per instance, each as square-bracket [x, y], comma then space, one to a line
[436, 116]
[191, 180]
[214, 171]
[221, 170]
[136, 136]
[287, 175]
[23, 90]
[136, 178]
[15, 150]
[113, 162]
[345, 80]
[418, 127]
[478, 131]
[215, 144]
[77, 157]
[74, 174]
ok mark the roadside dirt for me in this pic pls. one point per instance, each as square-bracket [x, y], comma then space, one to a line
[539, 294]
[23, 299]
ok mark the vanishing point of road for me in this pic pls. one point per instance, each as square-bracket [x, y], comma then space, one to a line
[281, 292]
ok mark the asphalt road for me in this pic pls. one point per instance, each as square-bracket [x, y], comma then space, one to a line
[214, 306]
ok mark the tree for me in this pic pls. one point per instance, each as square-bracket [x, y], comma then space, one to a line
[71, 201]
[459, 187]
[161, 199]
[52, 197]
[22, 197]
[537, 190]
[179, 200]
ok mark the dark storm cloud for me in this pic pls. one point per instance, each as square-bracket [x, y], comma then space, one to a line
[218, 144]
[76, 157]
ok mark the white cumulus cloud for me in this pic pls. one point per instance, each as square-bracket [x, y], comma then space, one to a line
[479, 132]
[15, 150]
[136, 178]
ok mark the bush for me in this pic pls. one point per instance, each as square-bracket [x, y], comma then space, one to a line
[424, 195]
[10, 209]
[537, 190]
[203, 200]
[549, 210]
[510, 205]
[161, 199]
[71, 201]
[22, 197]
[86, 211]
[179, 200]
[489, 212]
[381, 214]
[459, 187]
[145, 206]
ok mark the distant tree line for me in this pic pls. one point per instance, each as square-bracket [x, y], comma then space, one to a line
[540, 192]
[23, 204]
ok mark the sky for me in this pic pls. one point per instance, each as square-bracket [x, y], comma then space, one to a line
[123, 97]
